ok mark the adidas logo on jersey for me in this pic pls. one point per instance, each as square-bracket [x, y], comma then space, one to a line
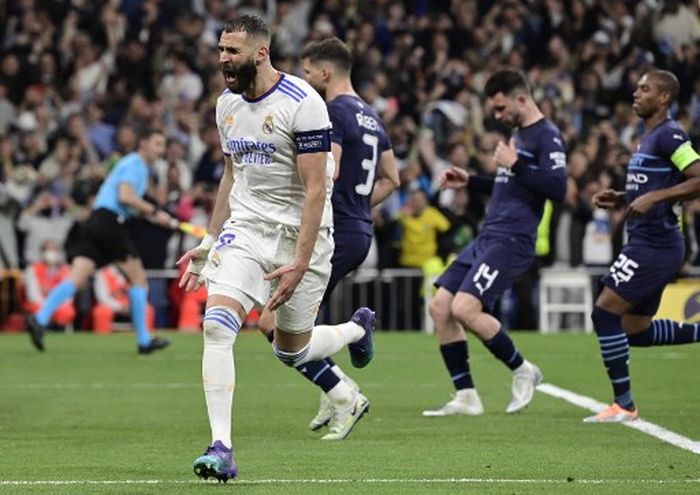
[229, 119]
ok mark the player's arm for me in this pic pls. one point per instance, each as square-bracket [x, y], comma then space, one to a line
[197, 256]
[685, 159]
[311, 168]
[547, 176]
[458, 178]
[311, 127]
[609, 198]
[312, 173]
[388, 178]
[222, 209]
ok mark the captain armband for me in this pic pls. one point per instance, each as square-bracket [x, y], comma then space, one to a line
[684, 156]
[313, 141]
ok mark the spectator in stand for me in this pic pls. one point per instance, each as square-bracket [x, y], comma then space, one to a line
[421, 224]
[46, 218]
[100, 132]
[44, 274]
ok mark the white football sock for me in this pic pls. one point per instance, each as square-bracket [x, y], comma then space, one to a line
[341, 395]
[221, 327]
[326, 340]
[339, 373]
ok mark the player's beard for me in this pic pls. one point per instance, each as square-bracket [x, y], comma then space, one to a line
[642, 111]
[245, 76]
[319, 89]
[516, 120]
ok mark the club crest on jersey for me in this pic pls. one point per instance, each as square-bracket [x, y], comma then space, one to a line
[229, 119]
[268, 126]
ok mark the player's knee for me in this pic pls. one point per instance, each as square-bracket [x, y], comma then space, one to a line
[636, 324]
[439, 310]
[292, 358]
[464, 311]
[604, 320]
[220, 325]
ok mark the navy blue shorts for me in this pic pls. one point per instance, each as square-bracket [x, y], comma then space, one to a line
[640, 274]
[487, 267]
[351, 249]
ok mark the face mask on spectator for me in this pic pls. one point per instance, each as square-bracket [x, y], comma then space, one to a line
[52, 257]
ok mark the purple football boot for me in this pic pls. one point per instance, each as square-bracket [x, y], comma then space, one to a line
[362, 351]
[217, 462]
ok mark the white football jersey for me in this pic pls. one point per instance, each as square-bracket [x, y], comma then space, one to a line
[263, 136]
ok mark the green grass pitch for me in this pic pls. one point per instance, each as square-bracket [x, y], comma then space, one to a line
[91, 410]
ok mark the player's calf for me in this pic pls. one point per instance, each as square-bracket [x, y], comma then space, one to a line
[666, 332]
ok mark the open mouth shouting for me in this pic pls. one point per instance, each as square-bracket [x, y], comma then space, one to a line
[230, 74]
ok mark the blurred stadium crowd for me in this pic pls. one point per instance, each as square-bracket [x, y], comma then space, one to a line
[77, 77]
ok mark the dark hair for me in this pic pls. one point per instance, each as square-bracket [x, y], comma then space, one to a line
[146, 133]
[506, 81]
[249, 24]
[332, 50]
[667, 82]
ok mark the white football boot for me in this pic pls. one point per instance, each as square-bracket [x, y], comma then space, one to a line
[325, 407]
[525, 378]
[465, 402]
[344, 419]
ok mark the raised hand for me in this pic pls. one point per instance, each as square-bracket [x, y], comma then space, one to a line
[454, 178]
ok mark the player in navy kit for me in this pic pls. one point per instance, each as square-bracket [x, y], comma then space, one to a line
[531, 169]
[661, 172]
[365, 174]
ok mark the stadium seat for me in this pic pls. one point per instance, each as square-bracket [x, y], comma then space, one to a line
[564, 291]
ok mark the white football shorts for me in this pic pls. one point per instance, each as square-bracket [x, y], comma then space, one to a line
[245, 252]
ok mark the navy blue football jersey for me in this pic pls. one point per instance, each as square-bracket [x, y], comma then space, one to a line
[360, 132]
[662, 155]
[519, 194]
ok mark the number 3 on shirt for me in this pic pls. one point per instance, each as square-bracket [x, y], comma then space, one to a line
[365, 189]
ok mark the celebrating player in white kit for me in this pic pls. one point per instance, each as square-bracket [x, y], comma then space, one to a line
[275, 248]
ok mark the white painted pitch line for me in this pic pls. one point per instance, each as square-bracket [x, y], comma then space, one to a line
[98, 385]
[644, 426]
[315, 481]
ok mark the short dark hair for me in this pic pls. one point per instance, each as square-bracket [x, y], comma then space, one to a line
[506, 81]
[667, 82]
[249, 24]
[332, 50]
[145, 133]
